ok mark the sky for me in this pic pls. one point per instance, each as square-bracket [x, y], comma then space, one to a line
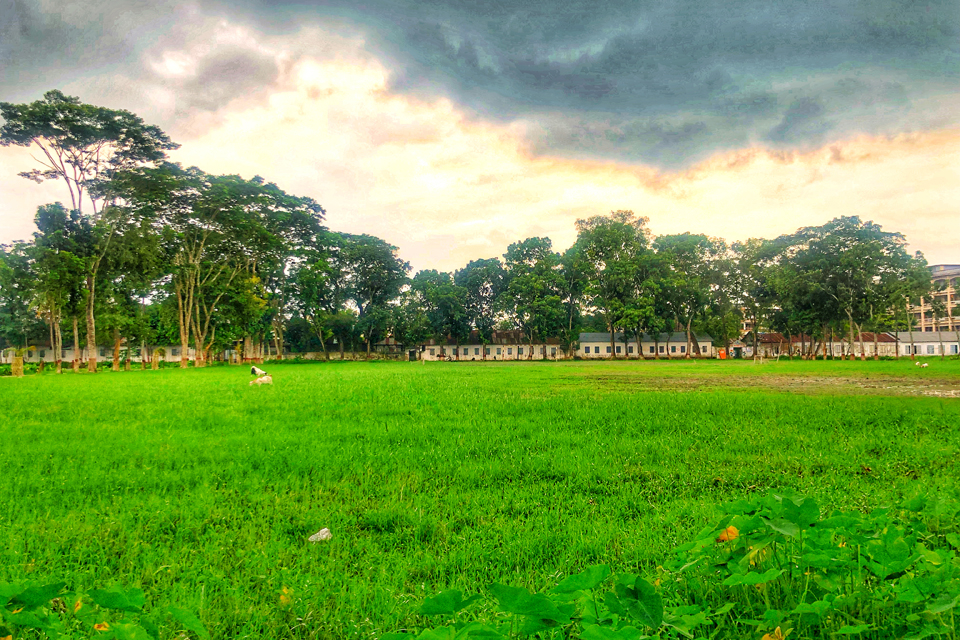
[452, 129]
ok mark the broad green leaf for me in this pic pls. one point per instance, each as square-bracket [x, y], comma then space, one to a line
[521, 602]
[725, 608]
[440, 633]
[852, 631]
[446, 603]
[944, 606]
[189, 621]
[24, 619]
[597, 632]
[588, 579]
[119, 599]
[838, 522]
[954, 540]
[752, 577]
[35, 596]
[478, 630]
[397, 636]
[817, 608]
[126, 631]
[648, 606]
[785, 527]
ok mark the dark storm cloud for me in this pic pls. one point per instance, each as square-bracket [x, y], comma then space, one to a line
[664, 82]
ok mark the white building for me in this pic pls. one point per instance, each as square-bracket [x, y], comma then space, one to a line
[928, 343]
[504, 345]
[667, 345]
[946, 290]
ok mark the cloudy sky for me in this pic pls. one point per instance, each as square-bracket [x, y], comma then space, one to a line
[453, 128]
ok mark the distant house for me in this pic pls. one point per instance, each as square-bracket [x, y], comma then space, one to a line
[927, 343]
[771, 345]
[666, 345]
[504, 345]
[104, 353]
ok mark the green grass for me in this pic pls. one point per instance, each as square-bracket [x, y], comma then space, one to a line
[202, 490]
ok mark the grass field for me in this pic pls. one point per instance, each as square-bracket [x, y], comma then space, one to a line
[202, 490]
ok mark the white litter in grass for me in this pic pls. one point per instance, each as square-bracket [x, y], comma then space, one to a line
[323, 534]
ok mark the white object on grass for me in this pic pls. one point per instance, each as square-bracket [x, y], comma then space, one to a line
[323, 534]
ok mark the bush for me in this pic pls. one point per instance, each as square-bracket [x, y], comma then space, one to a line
[772, 566]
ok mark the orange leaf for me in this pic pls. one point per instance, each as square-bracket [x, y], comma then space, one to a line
[776, 635]
[730, 533]
[102, 626]
[7, 638]
[77, 606]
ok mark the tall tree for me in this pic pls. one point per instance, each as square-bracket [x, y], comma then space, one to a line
[482, 282]
[374, 275]
[85, 146]
[691, 276]
[533, 295]
[609, 247]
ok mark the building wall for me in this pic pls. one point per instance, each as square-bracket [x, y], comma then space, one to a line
[946, 276]
[596, 350]
[510, 351]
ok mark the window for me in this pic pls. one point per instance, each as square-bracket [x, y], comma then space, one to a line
[553, 350]
[630, 349]
[509, 351]
[608, 349]
[43, 353]
[930, 348]
[175, 351]
[63, 353]
[520, 351]
[486, 350]
[30, 353]
[619, 349]
[661, 349]
[101, 352]
[498, 351]
[476, 351]
[683, 348]
[953, 349]
[433, 352]
[673, 348]
[652, 350]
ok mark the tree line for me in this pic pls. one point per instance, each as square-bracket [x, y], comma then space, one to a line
[149, 252]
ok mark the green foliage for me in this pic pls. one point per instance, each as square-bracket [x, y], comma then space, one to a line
[116, 613]
[769, 563]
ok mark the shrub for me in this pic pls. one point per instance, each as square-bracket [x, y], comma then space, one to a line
[772, 567]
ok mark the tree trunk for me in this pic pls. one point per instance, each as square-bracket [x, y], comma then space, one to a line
[863, 351]
[689, 322]
[613, 347]
[876, 345]
[16, 368]
[91, 327]
[155, 362]
[940, 337]
[76, 346]
[116, 349]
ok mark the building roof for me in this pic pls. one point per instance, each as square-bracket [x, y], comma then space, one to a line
[676, 336]
[927, 336]
[779, 338]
